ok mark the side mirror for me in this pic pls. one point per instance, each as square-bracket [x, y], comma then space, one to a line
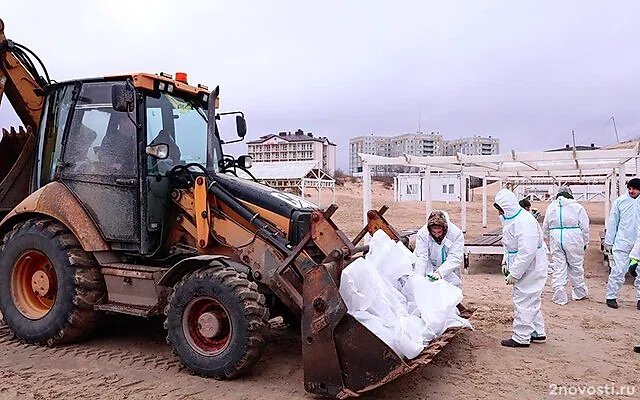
[122, 97]
[159, 151]
[244, 162]
[241, 126]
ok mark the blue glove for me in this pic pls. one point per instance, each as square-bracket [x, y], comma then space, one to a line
[632, 267]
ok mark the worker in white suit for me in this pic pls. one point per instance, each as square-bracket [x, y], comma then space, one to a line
[634, 259]
[620, 238]
[566, 225]
[526, 204]
[440, 249]
[526, 265]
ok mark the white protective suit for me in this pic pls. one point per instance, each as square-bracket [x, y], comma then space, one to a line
[635, 253]
[445, 258]
[566, 224]
[621, 234]
[522, 239]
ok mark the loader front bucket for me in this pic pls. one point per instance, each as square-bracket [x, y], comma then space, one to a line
[16, 157]
[341, 357]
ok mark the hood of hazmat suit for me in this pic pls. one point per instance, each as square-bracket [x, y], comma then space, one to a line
[565, 191]
[437, 218]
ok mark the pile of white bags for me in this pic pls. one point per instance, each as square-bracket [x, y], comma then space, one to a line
[404, 309]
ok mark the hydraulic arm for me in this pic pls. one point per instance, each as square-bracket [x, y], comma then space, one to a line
[24, 87]
[20, 81]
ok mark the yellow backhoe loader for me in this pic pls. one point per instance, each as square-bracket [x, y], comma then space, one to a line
[115, 196]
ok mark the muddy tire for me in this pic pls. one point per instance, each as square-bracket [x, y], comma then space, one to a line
[48, 284]
[216, 322]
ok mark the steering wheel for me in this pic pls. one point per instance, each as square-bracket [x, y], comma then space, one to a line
[183, 176]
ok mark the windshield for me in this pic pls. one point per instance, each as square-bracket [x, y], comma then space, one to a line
[182, 125]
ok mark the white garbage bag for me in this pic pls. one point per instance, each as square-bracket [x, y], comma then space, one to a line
[394, 261]
[408, 336]
[356, 286]
[436, 303]
[401, 307]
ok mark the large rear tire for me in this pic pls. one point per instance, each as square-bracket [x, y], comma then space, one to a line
[216, 322]
[48, 284]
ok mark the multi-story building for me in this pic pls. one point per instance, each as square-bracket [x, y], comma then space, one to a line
[412, 143]
[476, 145]
[297, 146]
[417, 144]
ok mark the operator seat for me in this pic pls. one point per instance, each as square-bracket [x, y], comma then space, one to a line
[119, 143]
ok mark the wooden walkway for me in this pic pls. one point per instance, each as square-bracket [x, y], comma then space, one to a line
[490, 243]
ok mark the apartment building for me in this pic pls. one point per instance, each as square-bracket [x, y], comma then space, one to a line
[418, 144]
[297, 146]
[476, 145]
[412, 143]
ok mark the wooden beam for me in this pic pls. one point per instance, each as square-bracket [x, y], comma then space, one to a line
[484, 202]
[463, 201]
[607, 200]
[366, 188]
[621, 179]
[427, 191]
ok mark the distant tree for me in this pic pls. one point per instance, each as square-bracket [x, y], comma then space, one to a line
[340, 177]
[387, 181]
[339, 174]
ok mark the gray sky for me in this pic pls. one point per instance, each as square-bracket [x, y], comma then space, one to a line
[527, 72]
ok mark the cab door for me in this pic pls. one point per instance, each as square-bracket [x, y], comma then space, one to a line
[100, 159]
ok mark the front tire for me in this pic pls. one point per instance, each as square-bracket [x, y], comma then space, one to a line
[48, 284]
[216, 322]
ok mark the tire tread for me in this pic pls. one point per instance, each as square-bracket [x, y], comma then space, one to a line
[255, 312]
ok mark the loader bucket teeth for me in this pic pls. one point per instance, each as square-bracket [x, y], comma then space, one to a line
[341, 357]
[16, 155]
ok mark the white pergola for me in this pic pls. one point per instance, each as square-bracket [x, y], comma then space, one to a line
[297, 176]
[609, 167]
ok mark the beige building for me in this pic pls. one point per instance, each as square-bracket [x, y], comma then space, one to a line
[297, 146]
[417, 144]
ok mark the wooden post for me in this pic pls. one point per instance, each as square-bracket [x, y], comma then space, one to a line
[607, 201]
[366, 190]
[463, 201]
[622, 178]
[396, 189]
[484, 202]
[319, 187]
[427, 191]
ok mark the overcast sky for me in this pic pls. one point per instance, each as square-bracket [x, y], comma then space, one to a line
[527, 72]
